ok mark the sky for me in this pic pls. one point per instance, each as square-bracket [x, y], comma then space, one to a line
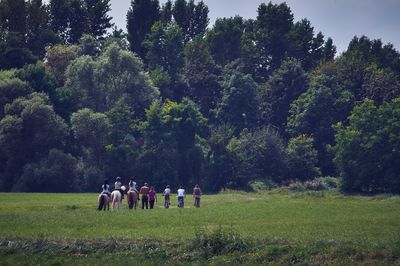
[339, 19]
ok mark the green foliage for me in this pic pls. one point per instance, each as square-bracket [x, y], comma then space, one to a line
[219, 241]
[201, 76]
[171, 133]
[283, 87]
[238, 106]
[164, 46]
[57, 59]
[303, 158]
[192, 18]
[91, 130]
[11, 89]
[56, 173]
[257, 154]
[116, 75]
[140, 17]
[316, 110]
[28, 131]
[367, 150]
[224, 39]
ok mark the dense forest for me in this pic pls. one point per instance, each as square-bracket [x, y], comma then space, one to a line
[175, 100]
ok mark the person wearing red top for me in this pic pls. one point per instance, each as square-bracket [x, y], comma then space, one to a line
[152, 197]
[144, 190]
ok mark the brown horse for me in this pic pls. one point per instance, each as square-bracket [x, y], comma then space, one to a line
[132, 198]
[104, 201]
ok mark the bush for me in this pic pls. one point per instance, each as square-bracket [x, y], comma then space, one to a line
[218, 241]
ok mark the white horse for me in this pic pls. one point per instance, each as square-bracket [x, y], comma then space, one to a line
[116, 198]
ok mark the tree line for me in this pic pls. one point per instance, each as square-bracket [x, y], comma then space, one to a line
[175, 101]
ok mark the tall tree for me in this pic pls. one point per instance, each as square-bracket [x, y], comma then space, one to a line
[97, 15]
[28, 131]
[101, 82]
[367, 150]
[224, 39]
[192, 18]
[283, 87]
[78, 21]
[238, 106]
[164, 46]
[325, 103]
[201, 76]
[140, 17]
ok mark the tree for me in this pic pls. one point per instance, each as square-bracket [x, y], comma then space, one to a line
[283, 87]
[56, 173]
[11, 89]
[219, 158]
[273, 24]
[91, 130]
[201, 76]
[99, 83]
[224, 39]
[57, 59]
[191, 17]
[39, 33]
[324, 104]
[59, 17]
[380, 85]
[303, 158]
[367, 149]
[98, 19]
[140, 17]
[238, 106]
[29, 130]
[38, 78]
[77, 21]
[172, 132]
[14, 16]
[164, 46]
[166, 13]
[14, 52]
[258, 154]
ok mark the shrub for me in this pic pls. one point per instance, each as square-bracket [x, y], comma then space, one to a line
[218, 241]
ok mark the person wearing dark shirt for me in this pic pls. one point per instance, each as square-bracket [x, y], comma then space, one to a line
[152, 197]
[197, 196]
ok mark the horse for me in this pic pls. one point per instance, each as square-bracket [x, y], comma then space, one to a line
[116, 199]
[104, 201]
[132, 198]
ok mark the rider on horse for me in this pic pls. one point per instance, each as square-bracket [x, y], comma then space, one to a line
[118, 186]
[105, 188]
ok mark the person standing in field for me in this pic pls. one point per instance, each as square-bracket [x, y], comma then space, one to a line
[144, 190]
[166, 194]
[197, 196]
[181, 196]
[152, 197]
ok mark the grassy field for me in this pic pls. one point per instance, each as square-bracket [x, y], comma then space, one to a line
[312, 224]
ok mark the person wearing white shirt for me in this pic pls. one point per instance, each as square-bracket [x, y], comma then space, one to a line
[166, 194]
[181, 195]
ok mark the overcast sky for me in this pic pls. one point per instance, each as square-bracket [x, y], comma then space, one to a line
[338, 19]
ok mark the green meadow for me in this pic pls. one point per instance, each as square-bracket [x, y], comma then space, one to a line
[313, 224]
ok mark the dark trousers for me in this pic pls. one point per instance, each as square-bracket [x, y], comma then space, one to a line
[166, 202]
[145, 201]
[151, 204]
[180, 202]
[197, 202]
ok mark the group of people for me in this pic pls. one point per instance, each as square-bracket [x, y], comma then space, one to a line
[149, 195]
